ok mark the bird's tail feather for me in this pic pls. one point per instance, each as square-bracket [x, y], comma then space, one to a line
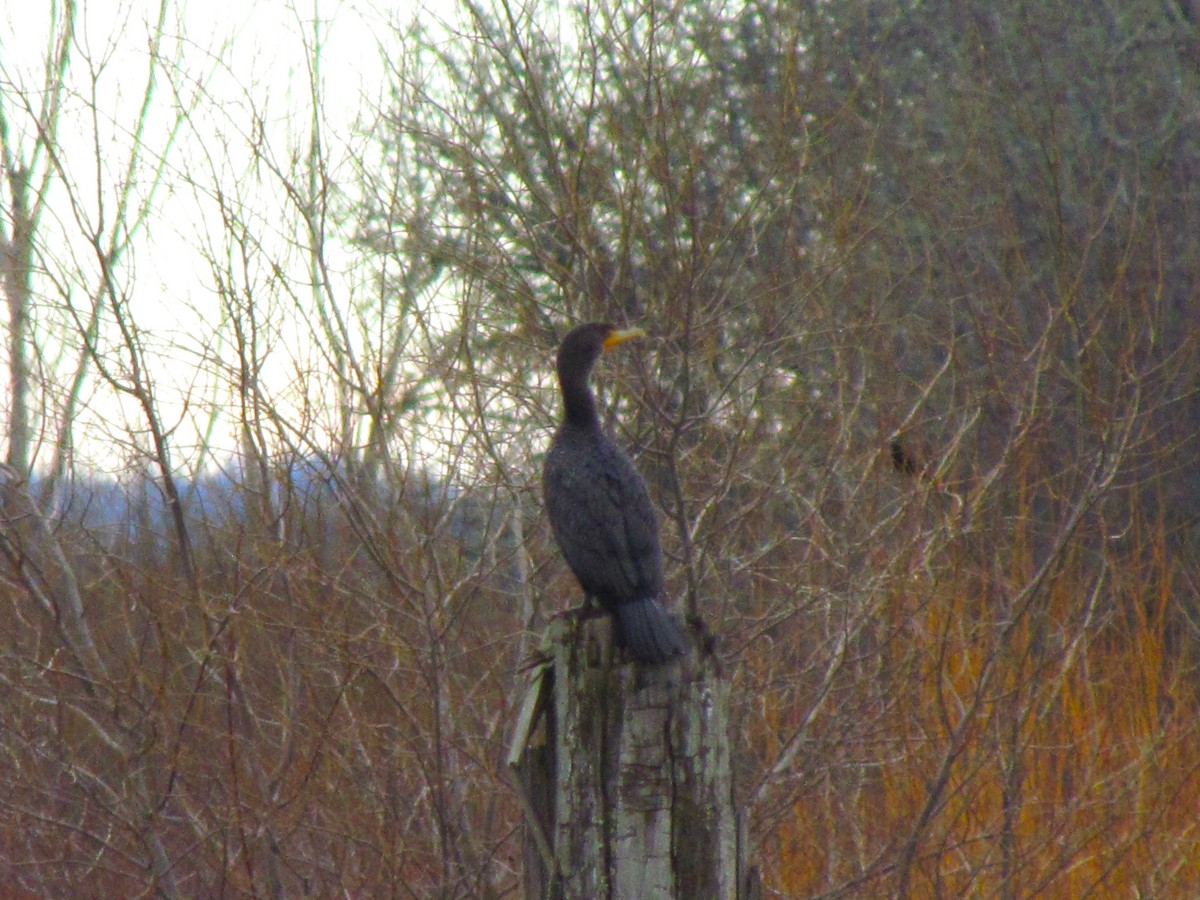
[648, 631]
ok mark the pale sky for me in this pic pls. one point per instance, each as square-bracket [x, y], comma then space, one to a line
[250, 61]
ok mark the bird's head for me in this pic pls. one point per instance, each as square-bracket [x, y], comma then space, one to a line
[576, 355]
[583, 344]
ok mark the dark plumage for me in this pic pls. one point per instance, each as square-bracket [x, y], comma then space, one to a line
[600, 509]
[902, 460]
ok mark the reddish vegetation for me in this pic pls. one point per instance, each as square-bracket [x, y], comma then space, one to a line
[917, 404]
[1009, 751]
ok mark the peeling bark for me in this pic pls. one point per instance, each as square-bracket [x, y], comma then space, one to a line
[624, 775]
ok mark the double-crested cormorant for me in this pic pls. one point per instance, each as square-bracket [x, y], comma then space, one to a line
[600, 509]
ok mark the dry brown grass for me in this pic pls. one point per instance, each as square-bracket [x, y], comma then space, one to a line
[1054, 756]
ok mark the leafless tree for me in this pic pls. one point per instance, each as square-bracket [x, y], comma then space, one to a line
[918, 410]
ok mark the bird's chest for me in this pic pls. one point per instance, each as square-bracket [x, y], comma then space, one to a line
[577, 476]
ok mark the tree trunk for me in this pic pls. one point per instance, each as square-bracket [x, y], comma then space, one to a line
[16, 260]
[625, 777]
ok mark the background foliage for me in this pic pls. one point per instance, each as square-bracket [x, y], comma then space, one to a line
[919, 408]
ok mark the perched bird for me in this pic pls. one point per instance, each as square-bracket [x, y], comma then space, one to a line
[600, 509]
[902, 459]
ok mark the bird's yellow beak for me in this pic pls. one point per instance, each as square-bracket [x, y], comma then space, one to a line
[621, 335]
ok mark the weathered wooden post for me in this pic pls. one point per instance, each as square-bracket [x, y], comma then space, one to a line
[625, 776]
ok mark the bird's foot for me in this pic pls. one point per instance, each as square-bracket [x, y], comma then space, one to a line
[585, 611]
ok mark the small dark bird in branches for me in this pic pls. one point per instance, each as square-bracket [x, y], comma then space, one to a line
[902, 459]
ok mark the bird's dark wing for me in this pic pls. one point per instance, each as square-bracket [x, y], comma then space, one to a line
[640, 540]
[603, 519]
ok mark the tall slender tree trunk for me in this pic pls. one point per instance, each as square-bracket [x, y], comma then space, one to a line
[17, 264]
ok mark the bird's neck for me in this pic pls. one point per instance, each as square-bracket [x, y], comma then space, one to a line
[579, 404]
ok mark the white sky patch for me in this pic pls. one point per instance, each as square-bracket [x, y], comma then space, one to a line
[231, 77]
